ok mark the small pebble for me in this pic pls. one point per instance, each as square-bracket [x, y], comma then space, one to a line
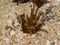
[36, 42]
[9, 22]
[33, 35]
[58, 32]
[55, 41]
[48, 42]
[12, 32]
[6, 39]
[7, 15]
[0, 23]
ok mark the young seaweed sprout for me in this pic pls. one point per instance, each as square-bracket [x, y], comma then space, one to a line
[30, 23]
